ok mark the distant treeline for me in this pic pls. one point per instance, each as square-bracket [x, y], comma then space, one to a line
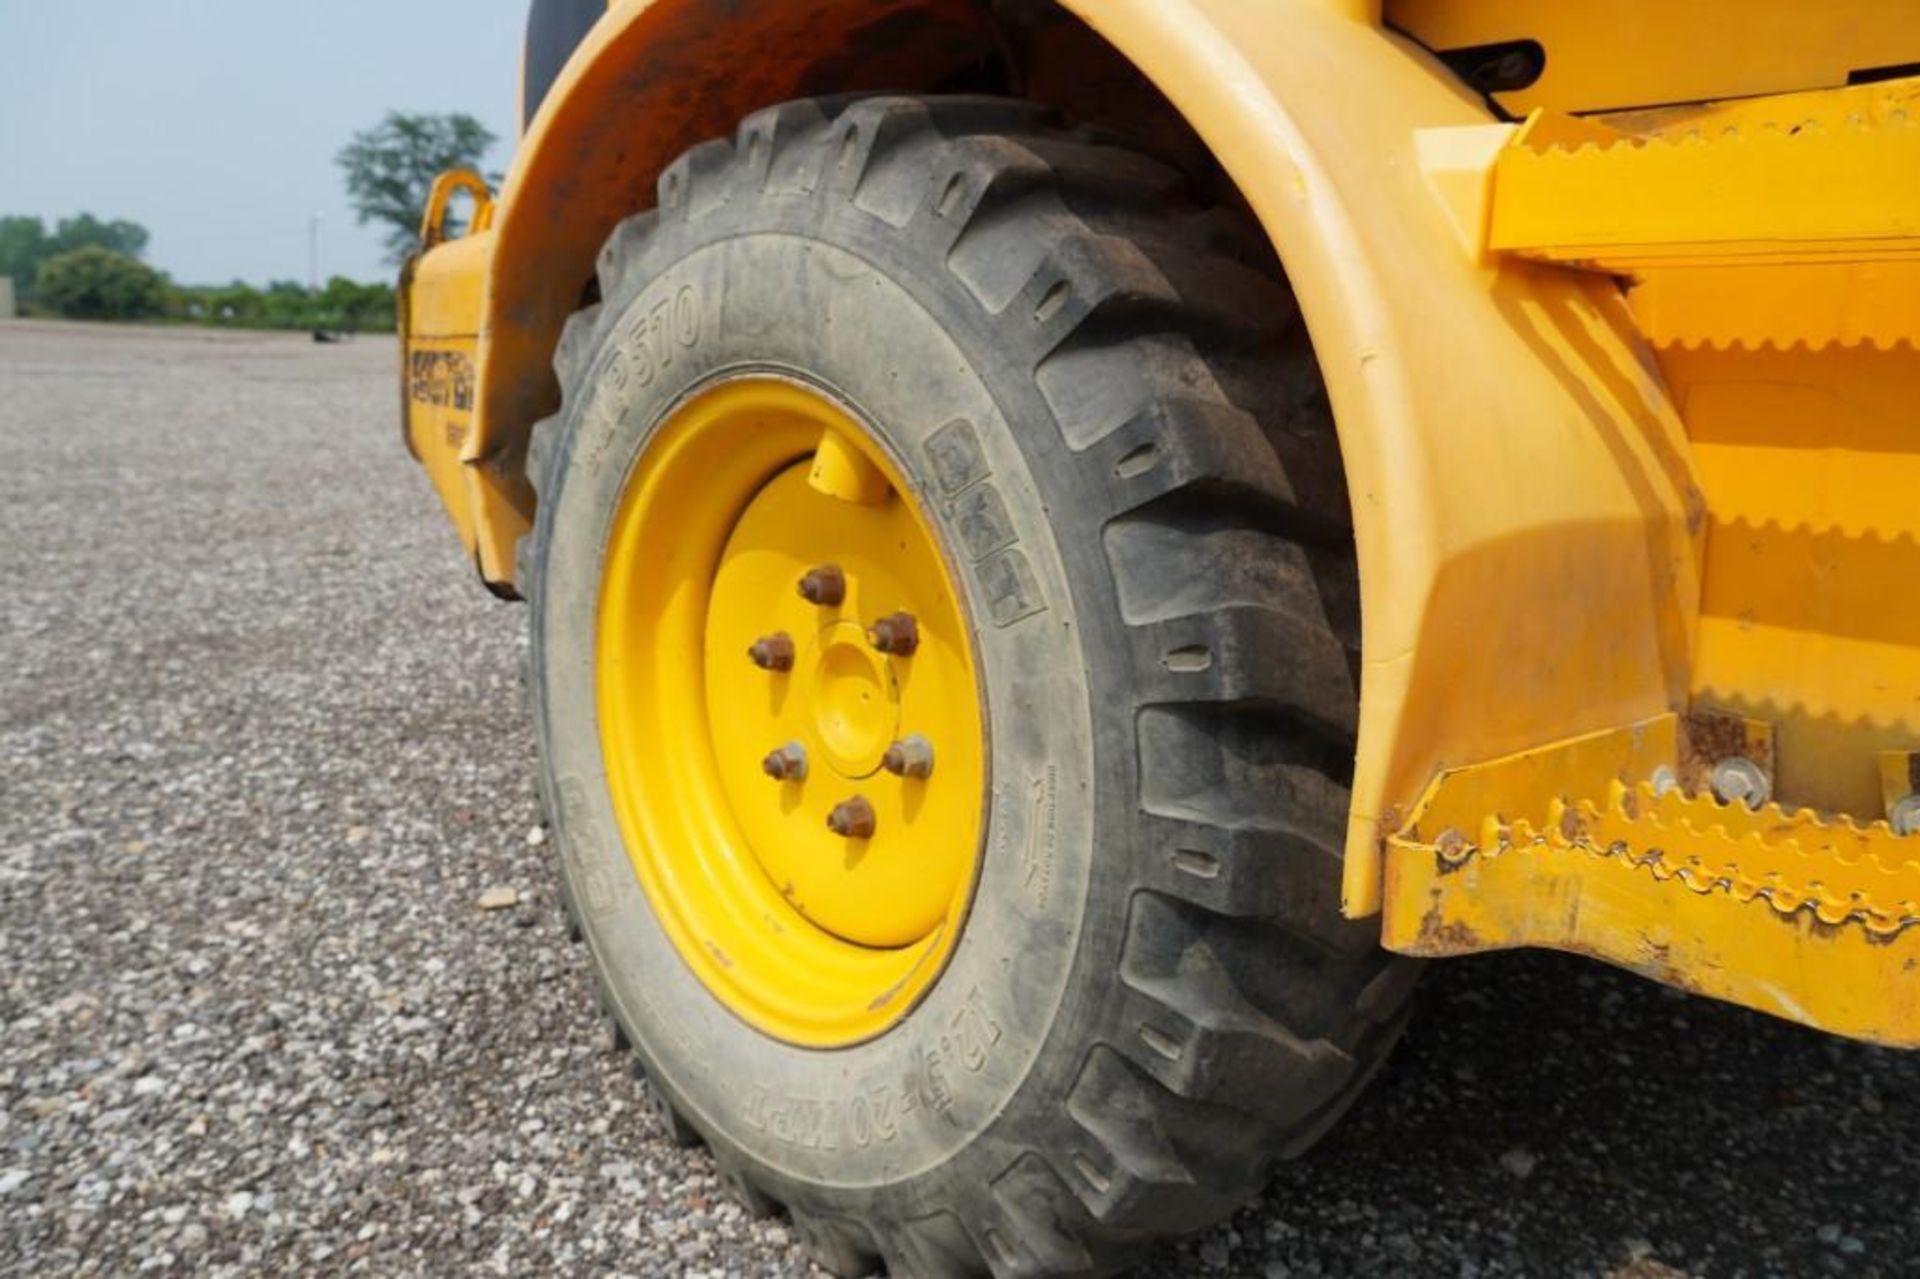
[86, 269]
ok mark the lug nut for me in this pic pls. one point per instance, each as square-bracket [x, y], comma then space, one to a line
[911, 756]
[826, 585]
[897, 634]
[773, 652]
[852, 818]
[788, 764]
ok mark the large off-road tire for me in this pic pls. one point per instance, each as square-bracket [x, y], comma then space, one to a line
[1103, 401]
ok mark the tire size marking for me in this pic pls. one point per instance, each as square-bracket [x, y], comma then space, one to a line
[1039, 837]
[584, 850]
[986, 531]
[875, 1114]
[644, 346]
[972, 1033]
[649, 339]
[953, 453]
[795, 1121]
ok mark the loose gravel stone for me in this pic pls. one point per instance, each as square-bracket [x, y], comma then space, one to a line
[503, 897]
[264, 748]
[1519, 1163]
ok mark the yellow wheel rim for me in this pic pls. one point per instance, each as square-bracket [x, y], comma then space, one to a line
[799, 781]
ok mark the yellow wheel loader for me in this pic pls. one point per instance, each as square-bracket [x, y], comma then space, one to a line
[1070, 545]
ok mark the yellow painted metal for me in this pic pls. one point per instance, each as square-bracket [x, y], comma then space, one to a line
[1607, 54]
[843, 471]
[1881, 104]
[1861, 296]
[1805, 186]
[1572, 847]
[440, 197]
[812, 937]
[441, 295]
[1769, 255]
[1900, 781]
[1773, 250]
[1452, 378]
[1808, 462]
[1812, 305]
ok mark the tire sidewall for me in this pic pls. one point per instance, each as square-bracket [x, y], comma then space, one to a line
[879, 1113]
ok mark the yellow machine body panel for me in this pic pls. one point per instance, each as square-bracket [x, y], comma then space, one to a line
[1603, 55]
[442, 292]
[1778, 909]
[1761, 846]
[1623, 402]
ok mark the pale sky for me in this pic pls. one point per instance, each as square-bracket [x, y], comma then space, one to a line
[215, 122]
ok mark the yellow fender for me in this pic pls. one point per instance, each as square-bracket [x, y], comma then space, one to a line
[1528, 525]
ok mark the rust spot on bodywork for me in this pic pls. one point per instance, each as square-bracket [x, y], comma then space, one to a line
[1655, 962]
[1709, 736]
[1440, 936]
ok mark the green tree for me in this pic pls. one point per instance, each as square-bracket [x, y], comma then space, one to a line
[95, 283]
[23, 244]
[286, 304]
[84, 230]
[347, 304]
[238, 304]
[390, 169]
[377, 312]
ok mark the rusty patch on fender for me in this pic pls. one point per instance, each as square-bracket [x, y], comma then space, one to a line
[1709, 736]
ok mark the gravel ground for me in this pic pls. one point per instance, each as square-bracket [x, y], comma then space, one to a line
[263, 755]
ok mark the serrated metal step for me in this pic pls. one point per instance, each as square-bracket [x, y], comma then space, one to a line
[1576, 847]
[1788, 221]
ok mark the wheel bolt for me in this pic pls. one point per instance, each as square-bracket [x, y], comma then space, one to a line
[788, 764]
[852, 818]
[825, 585]
[896, 633]
[911, 756]
[773, 652]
